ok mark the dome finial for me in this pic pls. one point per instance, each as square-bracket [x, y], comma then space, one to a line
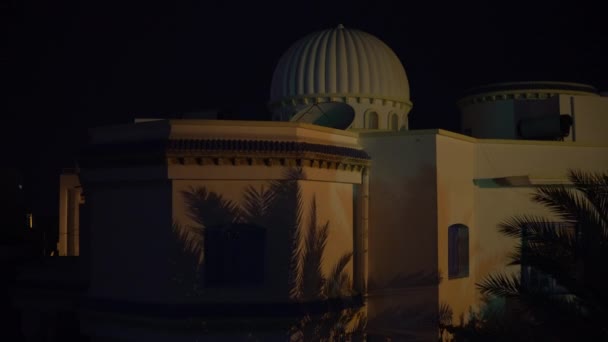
[340, 26]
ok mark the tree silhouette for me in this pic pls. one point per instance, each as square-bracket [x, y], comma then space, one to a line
[561, 289]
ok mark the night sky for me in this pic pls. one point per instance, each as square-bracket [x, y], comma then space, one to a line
[73, 65]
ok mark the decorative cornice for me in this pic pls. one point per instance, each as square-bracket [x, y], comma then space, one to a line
[227, 152]
[180, 145]
[265, 152]
[513, 95]
[523, 90]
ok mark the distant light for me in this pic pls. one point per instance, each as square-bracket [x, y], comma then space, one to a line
[30, 221]
[20, 187]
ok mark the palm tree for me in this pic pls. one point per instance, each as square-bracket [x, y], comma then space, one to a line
[564, 275]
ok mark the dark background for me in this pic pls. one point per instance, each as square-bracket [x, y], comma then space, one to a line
[73, 65]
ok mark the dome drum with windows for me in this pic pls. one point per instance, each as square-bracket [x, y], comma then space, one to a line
[347, 66]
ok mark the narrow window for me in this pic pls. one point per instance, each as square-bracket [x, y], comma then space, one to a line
[458, 251]
[234, 255]
[372, 120]
[394, 122]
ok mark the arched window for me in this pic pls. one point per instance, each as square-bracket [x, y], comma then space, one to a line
[394, 122]
[371, 120]
[234, 255]
[458, 251]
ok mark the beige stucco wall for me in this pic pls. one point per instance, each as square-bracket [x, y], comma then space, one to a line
[191, 281]
[548, 162]
[334, 206]
[132, 209]
[461, 160]
[456, 205]
[590, 119]
[422, 182]
[402, 233]
[130, 240]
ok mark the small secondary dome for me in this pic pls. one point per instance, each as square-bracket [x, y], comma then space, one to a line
[341, 64]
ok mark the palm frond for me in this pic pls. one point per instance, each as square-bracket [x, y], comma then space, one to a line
[309, 329]
[563, 266]
[312, 256]
[500, 285]
[537, 232]
[547, 261]
[285, 212]
[572, 207]
[256, 205]
[535, 228]
[595, 189]
[445, 315]
[208, 208]
[192, 239]
[338, 281]
[515, 257]
[359, 322]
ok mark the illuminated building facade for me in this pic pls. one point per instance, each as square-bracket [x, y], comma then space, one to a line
[213, 216]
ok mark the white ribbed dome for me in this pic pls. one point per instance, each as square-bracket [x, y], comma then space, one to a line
[347, 66]
[340, 62]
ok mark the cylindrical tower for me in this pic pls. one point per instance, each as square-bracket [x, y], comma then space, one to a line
[529, 110]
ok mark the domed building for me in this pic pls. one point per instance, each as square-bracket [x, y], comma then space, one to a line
[343, 65]
[233, 230]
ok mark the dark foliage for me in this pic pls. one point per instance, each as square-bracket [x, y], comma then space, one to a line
[561, 290]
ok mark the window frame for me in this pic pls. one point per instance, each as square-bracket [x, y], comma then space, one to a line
[458, 251]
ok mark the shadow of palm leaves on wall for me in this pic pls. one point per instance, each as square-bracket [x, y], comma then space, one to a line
[279, 208]
[312, 284]
[206, 209]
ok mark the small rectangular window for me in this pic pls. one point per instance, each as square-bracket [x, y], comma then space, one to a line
[458, 251]
[234, 255]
